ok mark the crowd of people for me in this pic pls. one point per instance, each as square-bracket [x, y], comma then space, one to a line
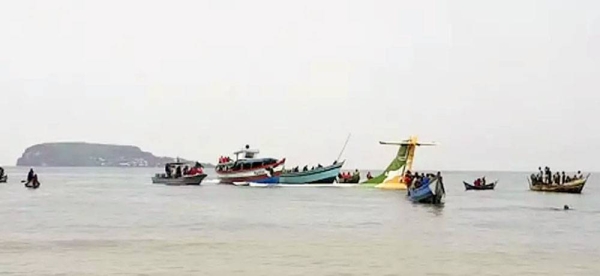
[224, 159]
[347, 177]
[417, 180]
[305, 169]
[546, 176]
[178, 171]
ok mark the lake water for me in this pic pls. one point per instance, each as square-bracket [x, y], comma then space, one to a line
[112, 221]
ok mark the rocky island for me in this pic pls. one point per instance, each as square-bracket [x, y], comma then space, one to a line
[77, 154]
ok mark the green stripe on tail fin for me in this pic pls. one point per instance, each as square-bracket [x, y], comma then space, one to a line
[398, 163]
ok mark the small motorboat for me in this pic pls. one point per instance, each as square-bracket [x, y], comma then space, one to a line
[573, 187]
[194, 177]
[490, 186]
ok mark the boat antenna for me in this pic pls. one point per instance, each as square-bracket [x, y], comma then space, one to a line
[344, 148]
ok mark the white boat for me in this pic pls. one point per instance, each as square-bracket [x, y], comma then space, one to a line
[248, 168]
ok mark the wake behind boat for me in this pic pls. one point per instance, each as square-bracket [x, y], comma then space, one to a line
[179, 174]
[318, 175]
[247, 168]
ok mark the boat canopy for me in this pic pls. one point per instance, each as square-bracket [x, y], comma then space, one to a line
[175, 164]
[266, 161]
[246, 153]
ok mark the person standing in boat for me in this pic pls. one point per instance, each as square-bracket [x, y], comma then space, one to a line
[1, 172]
[30, 175]
[168, 171]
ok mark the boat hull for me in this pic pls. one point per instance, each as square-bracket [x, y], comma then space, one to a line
[574, 187]
[433, 193]
[181, 181]
[490, 186]
[254, 175]
[325, 175]
[33, 185]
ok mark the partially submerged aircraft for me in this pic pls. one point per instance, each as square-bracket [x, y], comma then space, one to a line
[393, 177]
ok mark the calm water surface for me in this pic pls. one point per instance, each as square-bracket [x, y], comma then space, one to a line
[114, 222]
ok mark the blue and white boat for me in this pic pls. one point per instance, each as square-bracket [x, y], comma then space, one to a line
[321, 175]
[433, 193]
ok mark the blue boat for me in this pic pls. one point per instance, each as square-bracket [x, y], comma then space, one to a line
[323, 175]
[432, 193]
[269, 180]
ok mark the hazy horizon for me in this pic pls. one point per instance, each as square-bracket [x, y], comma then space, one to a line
[507, 86]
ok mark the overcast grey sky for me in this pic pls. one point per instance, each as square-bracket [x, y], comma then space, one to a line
[502, 85]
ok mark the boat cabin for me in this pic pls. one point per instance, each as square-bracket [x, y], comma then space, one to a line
[246, 164]
[246, 153]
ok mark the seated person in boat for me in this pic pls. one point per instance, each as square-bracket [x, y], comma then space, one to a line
[1, 172]
[416, 181]
[197, 169]
[425, 180]
[477, 182]
[369, 176]
[305, 169]
[178, 173]
[356, 175]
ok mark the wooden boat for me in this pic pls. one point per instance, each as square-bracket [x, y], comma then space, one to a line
[432, 193]
[323, 175]
[490, 186]
[573, 187]
[248, 168]
[4, 179]
[393, 176]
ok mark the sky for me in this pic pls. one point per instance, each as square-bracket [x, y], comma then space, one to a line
[500, 85]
